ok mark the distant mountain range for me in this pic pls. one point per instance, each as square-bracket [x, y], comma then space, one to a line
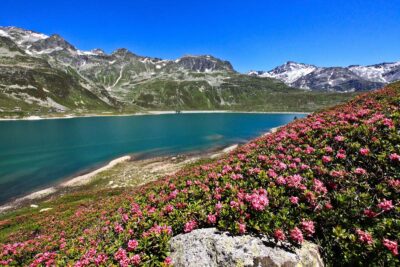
[42, 74]
[342, 79]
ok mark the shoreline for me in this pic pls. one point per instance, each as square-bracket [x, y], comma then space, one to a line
[148, 113]
[76, 182]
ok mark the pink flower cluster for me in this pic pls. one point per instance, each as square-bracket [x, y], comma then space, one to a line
[190, 226]
[258, 199]
[391, 245]
[386, 205]
[364, 237]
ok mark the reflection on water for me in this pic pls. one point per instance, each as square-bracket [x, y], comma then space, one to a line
[214, 137]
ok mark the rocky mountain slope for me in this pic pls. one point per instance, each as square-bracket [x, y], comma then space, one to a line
[343, 79]
[43, 74]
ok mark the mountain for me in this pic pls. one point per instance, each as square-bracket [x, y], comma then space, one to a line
[341, 79]
[28, 83]
[42, 74]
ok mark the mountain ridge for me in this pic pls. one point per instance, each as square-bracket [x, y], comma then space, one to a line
[344, 79]
[45, 74]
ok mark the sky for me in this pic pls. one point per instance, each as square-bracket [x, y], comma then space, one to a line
[252, 35]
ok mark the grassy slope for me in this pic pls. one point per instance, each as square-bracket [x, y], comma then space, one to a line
[240, 92]
[333, 196]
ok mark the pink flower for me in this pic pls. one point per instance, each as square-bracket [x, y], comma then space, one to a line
[294, 181]
[394, 157]
[280, 180]
[234, 204]
[388, 122]
[308, 227]
[135, 260]
[254, 171]
[168, 261]
[271, 173]
[118, 228]
[296, 235]
[364, 151]
[339, 138]
[364, 237]
[169, 208]
[120, 254]
[279, 234]
[319, 187]
[101, 259]
[326, 159]
[211, 218]
[386, 205]
[190, 226]
[304, 167]
[369, 213]
[258, 201]
[242, 228]
[394, 183]
[132, 244]
[262, 157]
[294, 200]
[309, 150]
[328, 149]
[282, 166]
[360, 171]
[340, 156]
[391, 245]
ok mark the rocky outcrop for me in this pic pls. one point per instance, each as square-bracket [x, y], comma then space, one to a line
[203, 64]
[209, 247]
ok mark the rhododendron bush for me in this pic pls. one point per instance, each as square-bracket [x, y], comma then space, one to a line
[332, 178]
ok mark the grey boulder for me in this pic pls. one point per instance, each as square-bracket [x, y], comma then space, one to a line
[209, 247]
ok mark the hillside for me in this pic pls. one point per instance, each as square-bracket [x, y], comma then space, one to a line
[331, 178]
[41, 75]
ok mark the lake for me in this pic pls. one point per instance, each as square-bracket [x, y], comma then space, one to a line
[36, 154]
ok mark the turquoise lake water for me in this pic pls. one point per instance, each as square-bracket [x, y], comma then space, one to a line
[37, 154]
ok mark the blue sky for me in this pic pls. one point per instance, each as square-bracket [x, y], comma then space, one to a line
[251, 34]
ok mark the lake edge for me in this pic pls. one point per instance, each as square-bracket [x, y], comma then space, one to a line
[150, 113]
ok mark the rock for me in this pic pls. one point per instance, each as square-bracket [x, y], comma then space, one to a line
[45, 209]
[209, 247]
[34, 206]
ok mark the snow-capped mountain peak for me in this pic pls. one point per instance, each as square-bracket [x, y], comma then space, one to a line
[291, 71]
[20, 36]
[288, 72]
[376, 73]
[352, 78]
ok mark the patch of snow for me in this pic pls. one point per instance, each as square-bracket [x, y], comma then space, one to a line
[4, 33]
[374, 73]
[21, 36]
[22, 87]
[48, 51]
[86, 53]
[45, 209]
